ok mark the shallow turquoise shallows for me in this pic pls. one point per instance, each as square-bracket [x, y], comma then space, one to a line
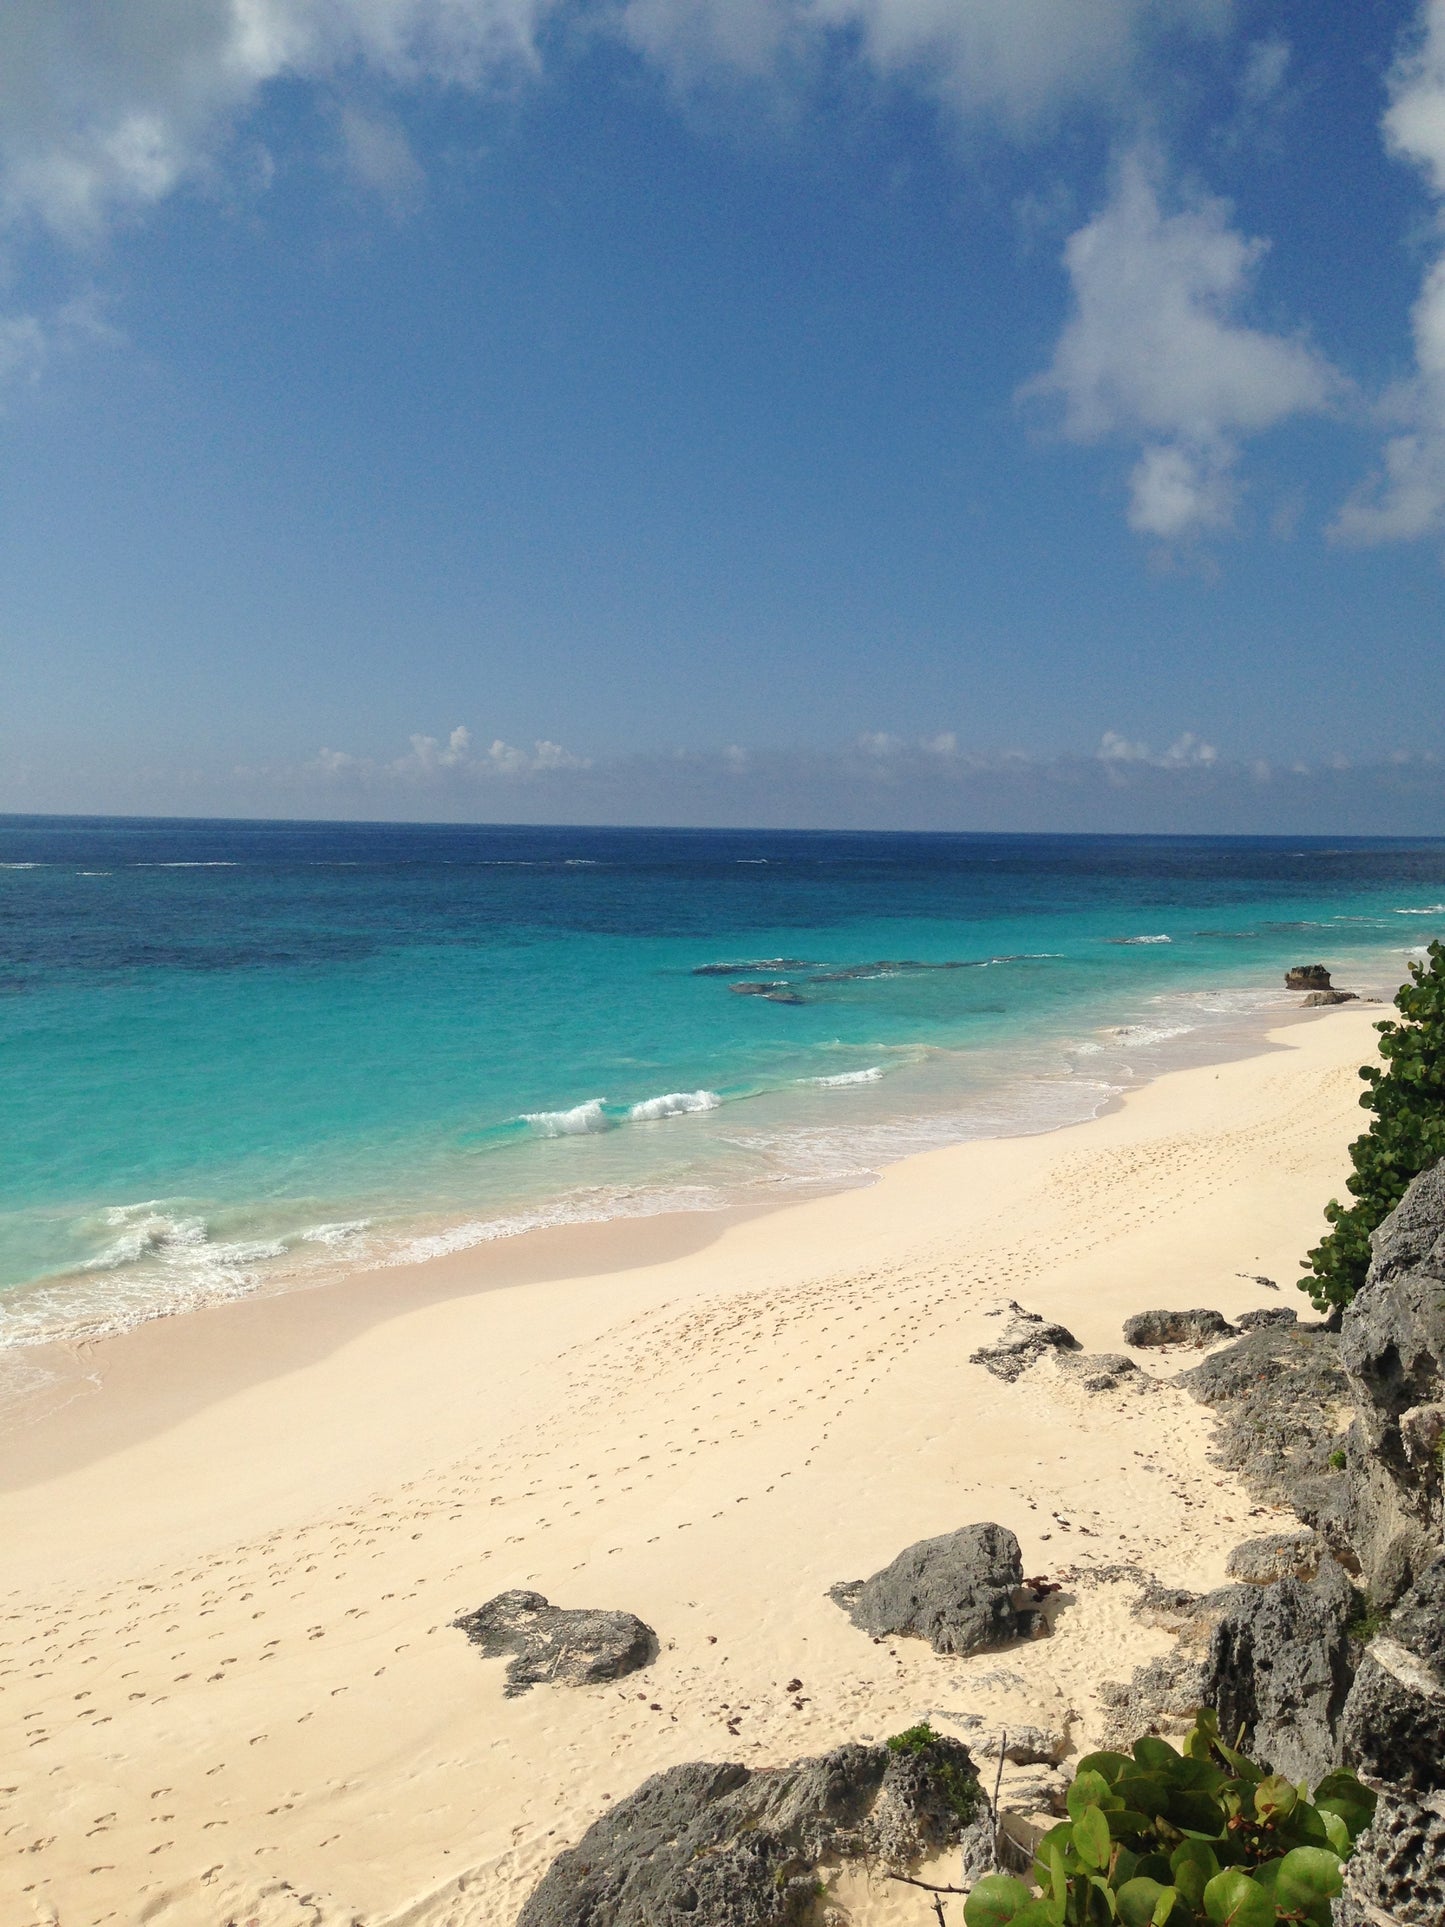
[235, 1053]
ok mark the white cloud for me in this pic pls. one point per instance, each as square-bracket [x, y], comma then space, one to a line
[108, 106]
[1185, 752]
[1155, 351]
[1017, 59]
[1265, 66]
[1406, 499]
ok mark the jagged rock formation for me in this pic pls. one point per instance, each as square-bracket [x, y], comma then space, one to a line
[1276, 1555]
[1318, 998]
[1307, 977]
[553, 1645]
[1283, 1406]
[962, 1592]
[1198, 1327]
[723, 1846]
[1253, 1321]
[1394, 1735]
[1025, 1340]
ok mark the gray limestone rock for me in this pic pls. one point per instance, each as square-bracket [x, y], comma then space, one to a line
[1394, 1727]
[1396, 1875]
[1392, 1347]
[553, 1645]
[1198, 1327]
[1283, 1403]
[1253, 1321]
[725, 1846]
[1318, 999]
[962, 1592]
[1105, 1371]
[1025, 1340]
[1276, 1555]
[1279, 1668]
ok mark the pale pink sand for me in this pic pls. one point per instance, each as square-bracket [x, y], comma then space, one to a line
[230, 1691]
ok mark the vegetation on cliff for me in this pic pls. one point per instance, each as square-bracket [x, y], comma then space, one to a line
[1408, 1134]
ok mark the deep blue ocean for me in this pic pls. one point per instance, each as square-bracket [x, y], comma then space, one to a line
[237, 1054]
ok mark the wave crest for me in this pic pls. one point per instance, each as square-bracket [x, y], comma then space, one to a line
[674, 1104]
[578, 1122]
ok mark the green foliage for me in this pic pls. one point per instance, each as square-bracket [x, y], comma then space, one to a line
[1203, 1838]
[1337, 1459]
[959, 1787]
[1407, 1136]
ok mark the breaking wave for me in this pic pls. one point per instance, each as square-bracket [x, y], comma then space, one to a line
[674, 1104]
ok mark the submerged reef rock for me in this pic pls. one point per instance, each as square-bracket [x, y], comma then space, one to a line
[962, 1592]
[1198, 1327]
[1307, 977]
[771, 993]
[555, 1646]
[1024, 1341]
[725, 1846]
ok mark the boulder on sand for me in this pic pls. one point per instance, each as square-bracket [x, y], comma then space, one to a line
[962, 1592]
[552, 1645]
[1198, 1327]
[704, 1845]
[1023, 1341]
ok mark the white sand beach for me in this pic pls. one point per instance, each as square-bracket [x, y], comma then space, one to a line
[229, 1687]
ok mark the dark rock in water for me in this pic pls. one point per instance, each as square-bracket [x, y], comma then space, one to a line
[555, 1646]
[1105, 1371]
[1198, 1327]
[1281, 1398]
[1024, 1340]
[1318, 999]
[772, 993]
[1253, 1321]
[747, 969]
[722, 1846]
[1279, 1667]
[1307, 977]
[1395, 1717]
[1276, 1555]
[962, 1592]
[1392, 1348]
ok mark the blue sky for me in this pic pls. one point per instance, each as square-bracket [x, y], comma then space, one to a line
[934, 412]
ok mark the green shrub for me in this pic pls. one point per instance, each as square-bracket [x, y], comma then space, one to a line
[1407, 1136]
[960, 1789]
[1204, 1838]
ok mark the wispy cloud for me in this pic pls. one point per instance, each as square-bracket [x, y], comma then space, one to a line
[1156, 351]
[1405, 499]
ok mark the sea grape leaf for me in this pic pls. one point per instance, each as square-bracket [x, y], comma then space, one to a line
[1232, 1899]
[1091, 1837]
[1193, 1864]
[996, 1900]
[1156, 1755]
[1137, 1900]
[1275, 1797]
[1090, 1790]
[1108, 1765]
[1307, 1875]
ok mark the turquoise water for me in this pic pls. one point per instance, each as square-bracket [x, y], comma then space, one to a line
[237, 1054]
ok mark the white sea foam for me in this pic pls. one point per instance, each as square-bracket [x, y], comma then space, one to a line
[1145, 940]
[1427, 910]
[194, 863]
[873, 1075]
[578, 1122]
[1147, 1033]
[344, 1233]
[22, 866]
[674, 1104]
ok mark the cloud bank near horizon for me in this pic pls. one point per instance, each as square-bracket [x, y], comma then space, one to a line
[879, 781]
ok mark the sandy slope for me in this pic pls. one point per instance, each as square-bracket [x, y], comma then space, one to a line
[228, 1687]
